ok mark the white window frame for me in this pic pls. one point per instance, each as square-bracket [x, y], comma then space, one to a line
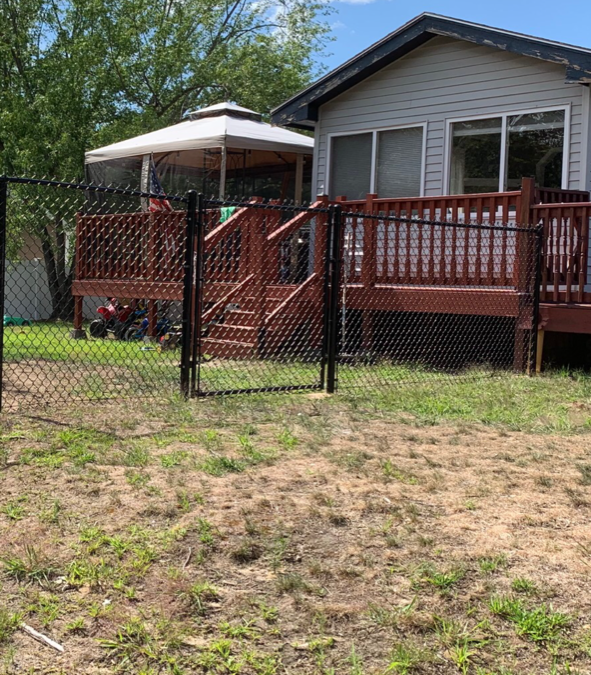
[504, 116]
[374, 131]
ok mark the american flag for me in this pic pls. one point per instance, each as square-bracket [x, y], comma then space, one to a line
[160, 203]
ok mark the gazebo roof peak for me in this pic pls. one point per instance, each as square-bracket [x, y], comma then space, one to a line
[225, 108]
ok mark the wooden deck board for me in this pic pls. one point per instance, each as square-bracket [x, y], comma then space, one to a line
[435, 299]
[565, 318]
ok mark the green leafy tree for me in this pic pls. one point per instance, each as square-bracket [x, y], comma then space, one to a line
[77, 74]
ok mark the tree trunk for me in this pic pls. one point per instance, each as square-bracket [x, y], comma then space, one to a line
[59, 280]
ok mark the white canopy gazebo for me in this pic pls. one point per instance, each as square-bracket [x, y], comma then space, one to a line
[220, 148]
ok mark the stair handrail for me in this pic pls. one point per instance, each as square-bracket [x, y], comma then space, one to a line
[291, 297]
[212, 311]
[234, 221]
[295, 223]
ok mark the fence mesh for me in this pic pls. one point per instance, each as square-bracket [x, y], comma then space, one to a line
[262, 297]
[421, 301]
[92, 293]
[111, 293]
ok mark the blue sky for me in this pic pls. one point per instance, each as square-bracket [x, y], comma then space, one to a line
[358, 23]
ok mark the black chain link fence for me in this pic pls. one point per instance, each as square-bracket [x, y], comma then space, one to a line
[93, 289]
[424, 301]
[111, 293]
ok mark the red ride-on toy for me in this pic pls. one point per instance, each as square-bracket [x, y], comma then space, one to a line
[113, 319]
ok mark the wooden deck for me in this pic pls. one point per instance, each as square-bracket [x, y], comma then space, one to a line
[459, 270]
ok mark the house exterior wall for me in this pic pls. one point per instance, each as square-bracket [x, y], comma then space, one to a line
[586, 138]
[448, 79]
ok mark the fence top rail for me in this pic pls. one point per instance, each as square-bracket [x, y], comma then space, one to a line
[289, 208]
[490, 196]
[86, 187]
[360, 215]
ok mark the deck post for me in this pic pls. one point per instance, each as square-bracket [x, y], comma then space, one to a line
[299, 178]
[321, 237]
[152, 318]
[368, 270]
[273, 262]
[320, 267]
[540, 350]
[369, 260]
[525, 266]
[78, 315]
[258, 258]
[246, 229]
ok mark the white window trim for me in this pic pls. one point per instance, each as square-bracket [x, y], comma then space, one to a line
[585, 179]
[566, 108]
[374, 131]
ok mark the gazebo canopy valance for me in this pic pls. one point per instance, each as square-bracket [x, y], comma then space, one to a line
[214, 146]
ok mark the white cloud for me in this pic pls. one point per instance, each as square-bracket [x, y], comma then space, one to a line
[356, 2]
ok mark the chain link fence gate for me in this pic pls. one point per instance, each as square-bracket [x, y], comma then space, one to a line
[93, 282]
[262, 297]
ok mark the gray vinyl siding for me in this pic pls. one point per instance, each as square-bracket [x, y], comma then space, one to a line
[447, 79]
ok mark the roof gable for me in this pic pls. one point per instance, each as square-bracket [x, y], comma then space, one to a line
[302, 109]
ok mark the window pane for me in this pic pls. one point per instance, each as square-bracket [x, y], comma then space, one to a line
[476, 156]
[535, 146]
[350, 166]
[400, 154]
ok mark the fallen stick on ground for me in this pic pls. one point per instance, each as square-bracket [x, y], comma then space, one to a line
[42, 638]
[188, 557]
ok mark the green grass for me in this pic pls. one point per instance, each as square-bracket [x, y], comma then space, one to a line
[523, 585]
[9, 622]
[442, 580]
[32, 567]
[539, 624]
[52, 342]
[219, 375]
[542, 404]
[92, 369]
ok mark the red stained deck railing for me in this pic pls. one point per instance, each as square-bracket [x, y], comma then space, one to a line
[384, 250]
[565, 264]
[148, 247]
[554, 196]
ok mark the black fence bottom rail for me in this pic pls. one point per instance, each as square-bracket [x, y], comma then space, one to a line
[258, 390]
[110, 293]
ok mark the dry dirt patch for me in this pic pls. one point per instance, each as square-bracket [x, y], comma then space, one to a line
[302, 539]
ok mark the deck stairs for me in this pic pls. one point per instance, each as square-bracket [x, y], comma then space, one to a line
[237, 332]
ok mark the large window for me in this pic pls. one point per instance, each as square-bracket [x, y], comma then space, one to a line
[493, 155]
[388, 163]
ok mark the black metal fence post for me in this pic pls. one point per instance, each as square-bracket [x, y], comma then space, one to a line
[3, 200]
[197, 304]
[188, 287]
[333, 309]
[328, 224]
